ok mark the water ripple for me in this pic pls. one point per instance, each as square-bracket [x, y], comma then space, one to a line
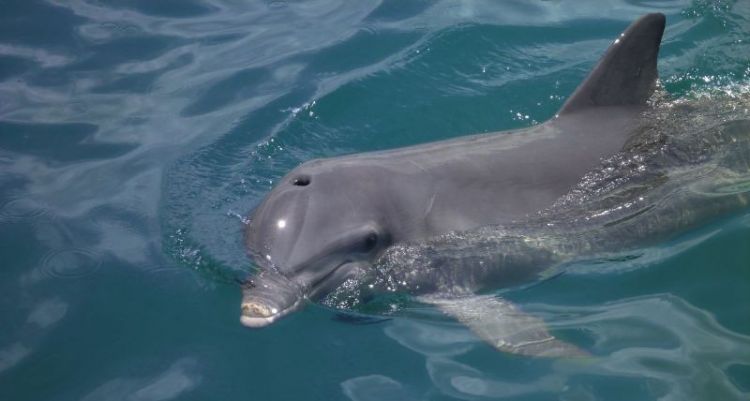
[20, 209]
[71, 263]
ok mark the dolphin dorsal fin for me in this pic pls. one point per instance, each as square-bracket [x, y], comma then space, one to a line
[626, 74]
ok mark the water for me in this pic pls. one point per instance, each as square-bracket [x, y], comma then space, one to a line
[135, 135]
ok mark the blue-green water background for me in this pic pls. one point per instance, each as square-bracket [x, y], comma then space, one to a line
[134, 135]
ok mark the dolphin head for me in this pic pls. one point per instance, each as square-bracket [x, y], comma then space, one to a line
[319, 226]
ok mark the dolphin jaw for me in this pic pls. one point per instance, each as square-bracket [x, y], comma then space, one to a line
[258, 314]
[334, 278]
[256, 322]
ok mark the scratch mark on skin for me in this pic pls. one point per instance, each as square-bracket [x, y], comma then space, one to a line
[429, 205]
[419, 166]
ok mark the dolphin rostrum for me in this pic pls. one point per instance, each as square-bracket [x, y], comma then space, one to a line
[331, 221]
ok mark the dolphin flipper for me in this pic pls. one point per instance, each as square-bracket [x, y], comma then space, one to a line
[504, 326]
[626, 74]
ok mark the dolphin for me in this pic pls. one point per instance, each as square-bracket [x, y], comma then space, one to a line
[329, 221]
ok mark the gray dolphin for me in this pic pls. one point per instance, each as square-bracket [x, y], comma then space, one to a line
[330, 220]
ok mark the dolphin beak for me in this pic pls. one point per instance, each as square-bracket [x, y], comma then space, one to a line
[268, 297]
[256, 313]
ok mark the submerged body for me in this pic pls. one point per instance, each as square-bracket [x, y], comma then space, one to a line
[453, 218]
[663, 185]
[669, 179]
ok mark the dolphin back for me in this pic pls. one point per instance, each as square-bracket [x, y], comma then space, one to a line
[626, 74]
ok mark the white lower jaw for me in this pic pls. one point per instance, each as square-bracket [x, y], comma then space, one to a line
[256, 321]
[337, 276]
[260, 321]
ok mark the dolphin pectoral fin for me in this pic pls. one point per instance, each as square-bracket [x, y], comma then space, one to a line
[504, 326]
[626, 74]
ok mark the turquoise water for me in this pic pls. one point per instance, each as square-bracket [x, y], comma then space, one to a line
[135, 135]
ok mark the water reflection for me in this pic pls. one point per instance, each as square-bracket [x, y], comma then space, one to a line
[179, 378]
[662, 345]
[431, 338]
[376, 388]
[465, 382]
[47, 313]
[12, 354]
[43, 316]
[665, 339]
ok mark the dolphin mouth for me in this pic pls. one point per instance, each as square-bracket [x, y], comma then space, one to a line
[267, 297]
[333, 278]
[270, 296]
[258, 312]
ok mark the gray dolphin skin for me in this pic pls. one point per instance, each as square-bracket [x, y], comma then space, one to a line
[450, 220]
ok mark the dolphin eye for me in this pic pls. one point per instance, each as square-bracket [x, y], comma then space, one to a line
[301, 180]
[370, 241]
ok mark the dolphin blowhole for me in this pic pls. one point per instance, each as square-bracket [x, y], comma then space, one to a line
[301, 180]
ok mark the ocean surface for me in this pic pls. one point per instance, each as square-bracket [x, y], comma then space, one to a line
[136, 136]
